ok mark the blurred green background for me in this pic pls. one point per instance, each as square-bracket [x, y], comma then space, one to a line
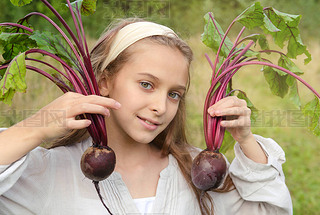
[278, 118]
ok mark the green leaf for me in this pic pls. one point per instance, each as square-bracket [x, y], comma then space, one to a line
[20, 3]
[227, 143]
[2, 71]
[2, 51]
[14, 79]
[251, 53]
[286, 23]
[263, 42]
[312, 110]
[212, 37]
[281, 83]
[86, 7]
[293, 93]
[296, 47]
[289, 33]
[277, 82]
[11, 44]
[260, 38]
[288, 64]
[25, 22]
[268, 25]
[14, 40]
[14, 29]
[45, 40]
[252, 17]
[54, 44]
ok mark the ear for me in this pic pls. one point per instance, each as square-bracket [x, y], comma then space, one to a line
[104, 85]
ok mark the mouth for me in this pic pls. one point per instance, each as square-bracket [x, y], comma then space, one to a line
[149, 122]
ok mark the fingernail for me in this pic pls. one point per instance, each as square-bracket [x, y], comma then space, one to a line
[211, 112]
[88, 123]
[107, 112]
[117, 105]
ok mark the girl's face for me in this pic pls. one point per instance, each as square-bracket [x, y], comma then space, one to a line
[149, 88]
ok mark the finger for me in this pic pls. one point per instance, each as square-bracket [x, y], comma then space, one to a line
[87, 108]
[98, 100]
[78, 124]
[233, 111]
[240, 122]
[231, 101]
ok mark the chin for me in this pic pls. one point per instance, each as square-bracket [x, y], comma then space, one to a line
[143, 138]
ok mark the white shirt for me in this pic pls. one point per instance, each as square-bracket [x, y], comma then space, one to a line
[50, 182]
[144, 205]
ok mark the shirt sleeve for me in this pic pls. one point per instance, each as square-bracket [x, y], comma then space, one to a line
[262, 186]
[23, 177]
[9, 174]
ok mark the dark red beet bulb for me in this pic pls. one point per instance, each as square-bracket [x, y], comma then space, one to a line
[97, 163]
[208, 170]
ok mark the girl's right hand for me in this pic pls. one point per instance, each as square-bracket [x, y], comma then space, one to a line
[51, 122]
[59, 117]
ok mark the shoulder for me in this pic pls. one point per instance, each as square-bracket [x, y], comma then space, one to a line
[2, 129]
[60, 154]
[71, 151]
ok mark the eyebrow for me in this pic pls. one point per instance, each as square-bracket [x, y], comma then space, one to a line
[178, 87]
[150, 76]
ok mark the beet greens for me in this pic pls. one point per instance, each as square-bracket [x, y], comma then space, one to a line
[19, 42]
[231, 57]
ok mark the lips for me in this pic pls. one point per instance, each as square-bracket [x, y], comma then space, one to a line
[149, 121]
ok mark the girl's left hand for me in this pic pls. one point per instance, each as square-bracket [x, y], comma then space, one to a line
[236, 117]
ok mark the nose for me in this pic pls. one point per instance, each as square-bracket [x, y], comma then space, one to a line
[159, 104]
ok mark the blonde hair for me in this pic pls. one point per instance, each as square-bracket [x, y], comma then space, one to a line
[173, 139]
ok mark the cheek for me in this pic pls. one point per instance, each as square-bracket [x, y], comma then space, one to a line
[172, 112]
[125, 94]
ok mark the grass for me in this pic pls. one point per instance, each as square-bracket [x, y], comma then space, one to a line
[278, 119]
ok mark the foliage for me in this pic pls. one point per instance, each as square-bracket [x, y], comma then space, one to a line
[19, 42]
[276, 119]
[169, 13]
[14, 79]
[231, 56]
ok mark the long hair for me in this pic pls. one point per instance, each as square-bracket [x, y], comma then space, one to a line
[173, 139]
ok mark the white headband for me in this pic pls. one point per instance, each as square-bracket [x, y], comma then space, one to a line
[132, 33]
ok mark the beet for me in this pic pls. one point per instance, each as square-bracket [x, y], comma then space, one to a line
[98, 162]
[208, 170]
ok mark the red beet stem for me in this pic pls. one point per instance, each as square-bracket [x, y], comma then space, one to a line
[96, 185]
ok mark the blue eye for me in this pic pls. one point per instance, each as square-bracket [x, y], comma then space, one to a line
[146, 85]
[174, 96]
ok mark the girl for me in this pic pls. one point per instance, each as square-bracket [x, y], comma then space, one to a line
[143, 73]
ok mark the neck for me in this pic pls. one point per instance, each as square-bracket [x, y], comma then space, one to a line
[130, 153]
[139, 166]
